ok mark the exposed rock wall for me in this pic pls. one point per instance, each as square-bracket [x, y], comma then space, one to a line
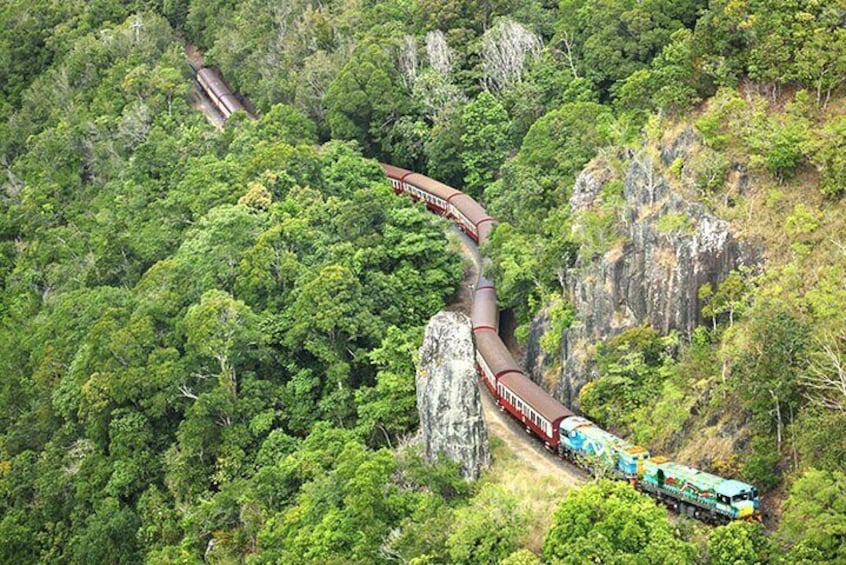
[653, 276]
[448, 398]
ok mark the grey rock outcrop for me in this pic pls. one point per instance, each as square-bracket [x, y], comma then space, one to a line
[669, 248]
[448, 398]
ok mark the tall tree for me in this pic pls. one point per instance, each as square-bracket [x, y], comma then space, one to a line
[814, 520]
[610, 522]
[485, 141]
[365, 98]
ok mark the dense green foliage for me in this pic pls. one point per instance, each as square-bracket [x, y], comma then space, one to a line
[610, 522]
[738, 543]
[814, 521]
[206, 337]
[633, 367]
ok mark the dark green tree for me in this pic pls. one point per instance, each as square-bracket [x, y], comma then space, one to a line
[485, 142]
[739, 543]
[364, 98]
[814, 520]
[610, 522]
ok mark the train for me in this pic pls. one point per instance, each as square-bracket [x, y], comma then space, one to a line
[689, 491]
[218, 91]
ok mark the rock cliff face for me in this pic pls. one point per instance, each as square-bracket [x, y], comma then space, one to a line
[448, 398]
[669, 248]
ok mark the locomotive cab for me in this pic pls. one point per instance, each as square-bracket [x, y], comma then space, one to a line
[741, 498]
[631, 461]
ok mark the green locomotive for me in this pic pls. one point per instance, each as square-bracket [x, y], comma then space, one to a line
[699, 494]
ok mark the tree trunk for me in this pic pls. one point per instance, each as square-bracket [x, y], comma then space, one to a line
[779, 423]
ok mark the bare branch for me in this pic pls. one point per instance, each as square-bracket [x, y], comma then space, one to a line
[840, 245]
[826, 376]
[441, 57]
[186, 392]
[407, 62]
[568, 45]
[506, 49]
[387, 549]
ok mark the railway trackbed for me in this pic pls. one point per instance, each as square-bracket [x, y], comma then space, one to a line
[531, 454]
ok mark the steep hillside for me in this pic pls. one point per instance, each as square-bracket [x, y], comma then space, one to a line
[736, 266]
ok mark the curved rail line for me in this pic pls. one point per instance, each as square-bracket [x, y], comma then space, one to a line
[689, 491]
